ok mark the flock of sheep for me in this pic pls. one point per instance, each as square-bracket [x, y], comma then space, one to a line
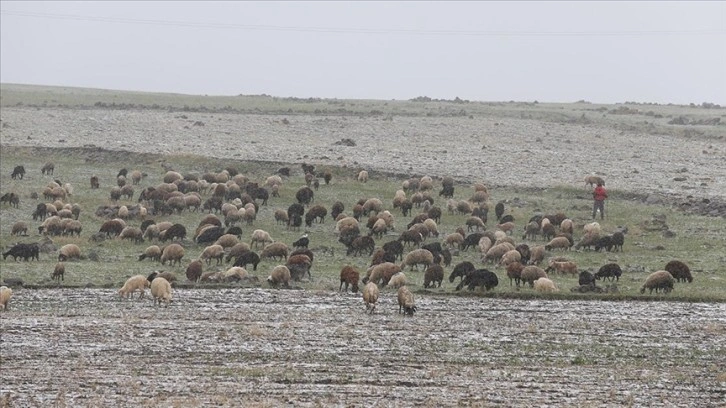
[231, 200]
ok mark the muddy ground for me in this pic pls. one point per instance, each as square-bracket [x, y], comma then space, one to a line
[262, 347]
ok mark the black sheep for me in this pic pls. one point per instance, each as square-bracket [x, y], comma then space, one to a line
[176, 231]
[609, 271]
[586, 278]
[461, 270]
[394, 248]
[305, 195]
[249, 257]
[499, 210]
[24, 251]
[506, 218]
[618, 241]
[472, 240]
[605, 242]
[679, 270]
[18, 172]
[210, 235]
[479, 277]
[303, 242]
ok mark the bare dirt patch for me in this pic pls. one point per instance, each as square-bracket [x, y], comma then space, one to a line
[307, 348]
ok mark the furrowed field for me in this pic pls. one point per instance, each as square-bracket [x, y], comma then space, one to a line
[75, 343]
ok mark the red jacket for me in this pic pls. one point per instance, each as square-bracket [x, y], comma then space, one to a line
[599, 193]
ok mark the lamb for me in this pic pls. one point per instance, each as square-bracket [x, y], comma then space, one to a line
[161, 291]
[609, 271]
[479, 277]
[133, 284]
[279, 275]
[562, 267]
[514, 273]
[658, 280]
[5, 294]
[399, 279]
[212, 252]
[679, 270]
[531, 273]
[274, 251]
[94, 182]
[68, 252]
[545, 285]
[260, 237]
[370, 296]
[618, 239]
[363, 176]
[194, 270]
[418, 257]
[349, 275]
[405, 301]
[434, 274]
[59, 272]
[558, 243]
[172, 253]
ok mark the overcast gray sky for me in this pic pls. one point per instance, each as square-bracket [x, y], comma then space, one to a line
[488, 51]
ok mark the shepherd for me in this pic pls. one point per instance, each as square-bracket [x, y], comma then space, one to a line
[599, 194]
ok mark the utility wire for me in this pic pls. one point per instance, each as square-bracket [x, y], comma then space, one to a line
[349, 30]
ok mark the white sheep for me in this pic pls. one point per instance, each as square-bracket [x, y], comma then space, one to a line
[161, 291]
[544, 285]
[397, 280]
[5, 294]
[212, 252]
[134, 283]
[363, 176]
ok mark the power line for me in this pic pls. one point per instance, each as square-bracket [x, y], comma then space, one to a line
[349, 30]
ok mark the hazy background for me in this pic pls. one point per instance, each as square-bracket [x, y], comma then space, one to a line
[547, 51]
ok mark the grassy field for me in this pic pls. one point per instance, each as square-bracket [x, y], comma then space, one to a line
[699, 241]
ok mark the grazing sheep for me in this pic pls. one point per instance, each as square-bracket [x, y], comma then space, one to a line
[133, 284]
[461, 270]
[235, 274]
[170, 276]
[679, 270]
[398, 280]
[227, 241]
[479, 277]
[315, 213]
[514, 273]
[94, 182]
[370, 296]
[558, 243]
[471, 240]
[586, 278]
[172, 253]
[604, 242]
[209, 234]
[274, 251]
[132, 233]
[434, 274]
[237, 250]
[562, 267]
[161, 291]
[531, 273]
[618, 239]
[19, 228]
[454, 240]
[592, 228]
[567, 226]
[194, 270]
[279, 275]
[497, 252]
[363, 176]
[69, 252]
[545, 285]
[5, 294]
[299, 266]
[658, 280]
[405, 301]
[246, 258]
[260, 237]
[349, 275]
[176, 231]
[212, 277]
[609, 271]
[212, 252]
[59, 272]
[381, 273]
[418, 257]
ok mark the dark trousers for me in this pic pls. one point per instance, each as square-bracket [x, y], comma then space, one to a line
[598, 205]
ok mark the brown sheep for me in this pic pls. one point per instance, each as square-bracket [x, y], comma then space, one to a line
[132, 233]
[68, 252]
[658, 280]
[19, 228]
[381, 273]
[418, 257]
[370, 296]
[514, 272]
[558, 243]
[194, 270]
[679, 270]
[59, 272]
[405, 301]
[397, 280]
[563, 267]
[350, 276]
[434, 274]
[212, 252]
[133, 284]
[172, 253]
[274, 251]
[531, 273]
[279, 275]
